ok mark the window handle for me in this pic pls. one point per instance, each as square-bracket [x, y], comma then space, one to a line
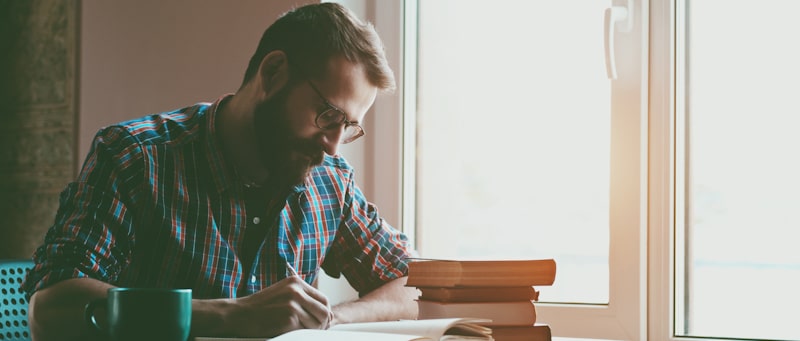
[616, 18]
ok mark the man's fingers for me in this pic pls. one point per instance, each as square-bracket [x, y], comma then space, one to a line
[320, 311]
[330, 320]
[304, 318]
[308, 288]
[312, 302]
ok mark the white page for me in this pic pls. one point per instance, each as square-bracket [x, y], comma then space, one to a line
[317, 334]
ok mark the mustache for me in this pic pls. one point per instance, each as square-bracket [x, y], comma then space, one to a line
[312, 150]
[309, 148]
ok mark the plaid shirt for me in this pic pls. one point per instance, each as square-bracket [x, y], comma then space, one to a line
[156, 206]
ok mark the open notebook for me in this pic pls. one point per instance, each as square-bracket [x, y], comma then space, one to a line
[447, 329]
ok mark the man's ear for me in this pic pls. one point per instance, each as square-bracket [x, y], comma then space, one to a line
[273, 73]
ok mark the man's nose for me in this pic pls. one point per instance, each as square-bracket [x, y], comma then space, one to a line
[330, 140]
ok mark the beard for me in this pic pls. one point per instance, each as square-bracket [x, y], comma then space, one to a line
[287, 157]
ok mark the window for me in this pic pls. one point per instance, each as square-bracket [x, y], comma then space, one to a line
[693, 143]
[525, 149]
[513, 138]
[737, 189]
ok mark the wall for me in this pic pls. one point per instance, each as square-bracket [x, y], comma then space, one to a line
[148, 56]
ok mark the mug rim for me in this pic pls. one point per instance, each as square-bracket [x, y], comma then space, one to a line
[146, 289]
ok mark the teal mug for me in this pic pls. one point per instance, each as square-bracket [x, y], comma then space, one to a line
[143, 314]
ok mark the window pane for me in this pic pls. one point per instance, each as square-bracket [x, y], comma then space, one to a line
[513, 137]
[742, 264]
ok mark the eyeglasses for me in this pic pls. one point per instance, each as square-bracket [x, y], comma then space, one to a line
[333, 117]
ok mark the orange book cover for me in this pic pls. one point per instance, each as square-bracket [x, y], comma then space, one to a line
[516, 313]
[537, 332]
[481, 273]
[478, 294]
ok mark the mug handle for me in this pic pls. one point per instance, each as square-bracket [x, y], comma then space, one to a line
[88, 313]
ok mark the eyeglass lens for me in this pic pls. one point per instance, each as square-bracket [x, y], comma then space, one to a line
[332, 118]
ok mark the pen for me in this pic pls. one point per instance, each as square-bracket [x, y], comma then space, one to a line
[292, 271]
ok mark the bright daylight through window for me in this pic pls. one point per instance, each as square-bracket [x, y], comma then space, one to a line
[513, 137]
[738, 185]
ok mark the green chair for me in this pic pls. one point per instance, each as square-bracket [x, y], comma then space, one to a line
[13, 305]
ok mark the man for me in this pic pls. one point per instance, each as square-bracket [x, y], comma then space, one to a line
[233, 198]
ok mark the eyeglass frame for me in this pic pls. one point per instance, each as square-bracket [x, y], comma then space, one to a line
[336, 123]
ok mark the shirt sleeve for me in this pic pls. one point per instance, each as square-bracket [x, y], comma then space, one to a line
[367, 250]
[92, 235]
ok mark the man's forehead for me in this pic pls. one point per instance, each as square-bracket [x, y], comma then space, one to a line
[347, 86]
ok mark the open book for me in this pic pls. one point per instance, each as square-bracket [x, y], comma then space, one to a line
[447, 329]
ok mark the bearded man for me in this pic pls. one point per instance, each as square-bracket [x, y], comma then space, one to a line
[243, 200]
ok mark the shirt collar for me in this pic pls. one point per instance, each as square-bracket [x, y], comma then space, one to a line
[222, 175]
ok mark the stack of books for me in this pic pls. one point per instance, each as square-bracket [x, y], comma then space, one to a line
[502, 291]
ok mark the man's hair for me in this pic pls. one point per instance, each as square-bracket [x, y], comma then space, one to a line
[311, 35]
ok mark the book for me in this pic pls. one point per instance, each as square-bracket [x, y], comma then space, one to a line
[537, 332]
[429, 329]
[447, 329]
[481, 273]
[319, 334]
[515, 313]
[478, 294]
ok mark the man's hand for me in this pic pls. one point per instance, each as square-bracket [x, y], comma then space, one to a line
[56, 312]
[391, 301]
[285, 306]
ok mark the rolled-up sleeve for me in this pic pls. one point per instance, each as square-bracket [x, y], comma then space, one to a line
[92, 235]
[367, 250]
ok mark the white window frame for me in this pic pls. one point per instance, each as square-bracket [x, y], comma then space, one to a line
[661, 245]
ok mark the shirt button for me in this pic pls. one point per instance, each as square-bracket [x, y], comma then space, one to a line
[256, 220]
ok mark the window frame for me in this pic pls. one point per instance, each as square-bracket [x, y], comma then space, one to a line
[662, 104]
[637, 311]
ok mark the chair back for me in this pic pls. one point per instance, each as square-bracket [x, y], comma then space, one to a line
[13, 305]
